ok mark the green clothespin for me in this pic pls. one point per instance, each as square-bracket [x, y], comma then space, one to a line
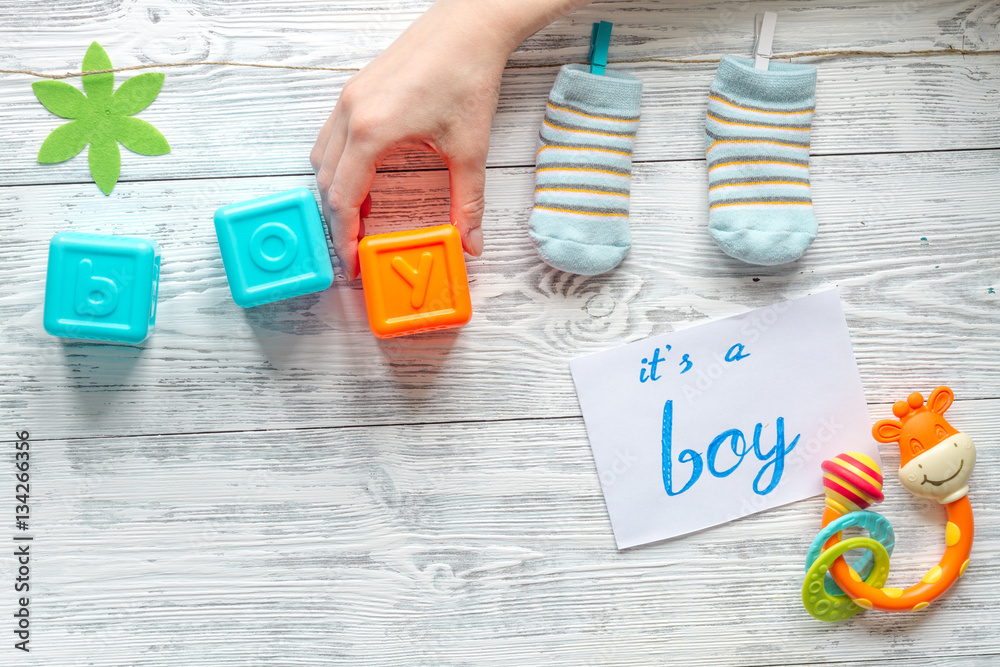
[600, 39]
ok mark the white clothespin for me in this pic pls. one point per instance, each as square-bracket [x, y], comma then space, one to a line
[764, 34]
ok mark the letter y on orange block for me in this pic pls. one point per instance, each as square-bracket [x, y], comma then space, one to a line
[418, 279]
[414, 281]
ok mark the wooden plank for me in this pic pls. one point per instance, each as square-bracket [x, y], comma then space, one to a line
[452, 543]
[298, 32]
[950, 660]
[863, 106]
[909, 239]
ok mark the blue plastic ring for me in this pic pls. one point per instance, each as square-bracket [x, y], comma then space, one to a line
[878, 528]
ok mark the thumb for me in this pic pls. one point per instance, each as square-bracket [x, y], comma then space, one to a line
[467, 180]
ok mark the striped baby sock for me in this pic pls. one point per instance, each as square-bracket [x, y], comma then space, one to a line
[584, 170]
[757, 148]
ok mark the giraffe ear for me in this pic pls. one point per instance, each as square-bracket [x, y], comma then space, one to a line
[940, 400]
[887, 430]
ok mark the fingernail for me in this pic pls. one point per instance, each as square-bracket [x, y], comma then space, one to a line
[475, 240]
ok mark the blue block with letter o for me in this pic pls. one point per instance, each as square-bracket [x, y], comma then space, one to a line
[274, 247]
[101, 287]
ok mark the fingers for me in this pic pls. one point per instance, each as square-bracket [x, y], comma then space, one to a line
[344, 160]
[467, 178]
[319, 149]
[329, 147]
[346, 198]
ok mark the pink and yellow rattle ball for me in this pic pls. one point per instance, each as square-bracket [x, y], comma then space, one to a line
[852, 482]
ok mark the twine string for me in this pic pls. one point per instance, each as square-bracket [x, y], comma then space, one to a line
[856, 53]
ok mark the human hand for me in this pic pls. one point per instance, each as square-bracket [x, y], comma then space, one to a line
[435, 87]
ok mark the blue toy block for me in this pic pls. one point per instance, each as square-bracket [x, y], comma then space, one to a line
[274, 247]
[101, 287]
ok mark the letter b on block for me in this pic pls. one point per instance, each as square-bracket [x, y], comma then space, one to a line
[95, 295]
[101, 287]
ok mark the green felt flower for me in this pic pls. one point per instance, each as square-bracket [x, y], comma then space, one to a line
[101, 118]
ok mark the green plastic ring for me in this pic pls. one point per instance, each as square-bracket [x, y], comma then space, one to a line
[826, 607]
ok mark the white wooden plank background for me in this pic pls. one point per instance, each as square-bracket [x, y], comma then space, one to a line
[275, 486]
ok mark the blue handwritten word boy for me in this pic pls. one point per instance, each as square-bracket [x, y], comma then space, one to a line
[773, 459]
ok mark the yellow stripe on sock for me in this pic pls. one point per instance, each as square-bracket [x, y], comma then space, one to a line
[753, 141]
[589, 192]
[570, 210]
[728, 185]
[603, 134]
[762, 203]
[729, 164]
[766, 127]
[582, 148]
[776, 113]
[596, 171]
[587, 115]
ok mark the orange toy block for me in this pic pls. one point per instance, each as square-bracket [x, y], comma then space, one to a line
[415, 281]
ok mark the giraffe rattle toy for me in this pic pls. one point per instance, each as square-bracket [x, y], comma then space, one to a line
[936, 462]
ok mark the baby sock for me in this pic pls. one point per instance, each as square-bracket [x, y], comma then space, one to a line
[757, 148]
[584, 170]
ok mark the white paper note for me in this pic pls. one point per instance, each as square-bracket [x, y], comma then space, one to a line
[705, 425]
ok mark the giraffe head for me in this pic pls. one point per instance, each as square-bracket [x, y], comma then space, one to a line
[935, 458]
